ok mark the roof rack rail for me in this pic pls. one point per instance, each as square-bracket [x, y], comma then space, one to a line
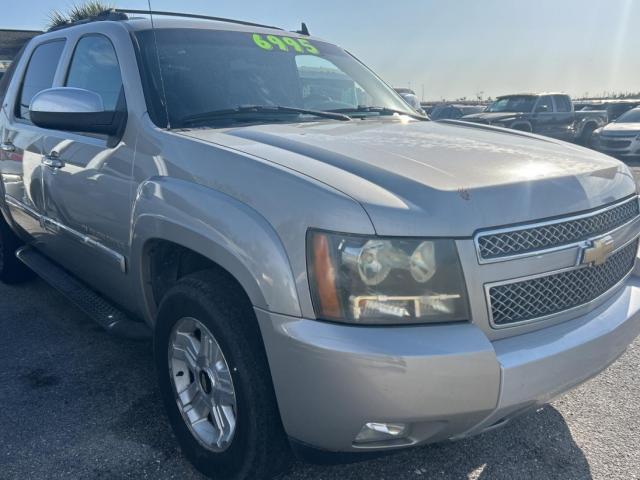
[192, 15]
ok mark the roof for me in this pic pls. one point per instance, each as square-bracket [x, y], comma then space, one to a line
[539, 94]
[147, 19]
[609, 101]
[138, 20]
[11, 41]
[138, 23]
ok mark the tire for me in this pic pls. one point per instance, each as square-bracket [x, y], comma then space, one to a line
[12, 270]
[199, 306]
[586, 137]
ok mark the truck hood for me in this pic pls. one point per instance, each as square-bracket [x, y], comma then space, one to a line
[491, 117]
[436, 179]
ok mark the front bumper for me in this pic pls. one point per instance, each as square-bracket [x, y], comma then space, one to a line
[446, 381]
[618, 147]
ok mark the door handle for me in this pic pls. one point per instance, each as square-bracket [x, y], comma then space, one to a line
[52, 161]
[7, 147]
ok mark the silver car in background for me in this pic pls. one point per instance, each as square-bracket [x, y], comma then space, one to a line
[411, 98]
[620, 138]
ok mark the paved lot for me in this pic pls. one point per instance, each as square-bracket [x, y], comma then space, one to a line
[77, 403]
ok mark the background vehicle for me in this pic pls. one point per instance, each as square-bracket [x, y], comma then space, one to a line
[454, 111]
[411, 98]
[11, 41]
[549, 114]
[620, 138]
[320, 267]
[614, 108]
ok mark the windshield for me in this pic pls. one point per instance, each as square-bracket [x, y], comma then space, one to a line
[206, 71]
[521, 103]
[632, 116]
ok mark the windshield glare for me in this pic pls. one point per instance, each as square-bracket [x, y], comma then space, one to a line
[632, 116]
[210, 70]
[523, 103]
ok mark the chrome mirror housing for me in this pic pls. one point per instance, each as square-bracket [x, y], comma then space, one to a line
[74, 109]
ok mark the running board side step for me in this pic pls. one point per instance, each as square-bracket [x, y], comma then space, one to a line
[95, 306]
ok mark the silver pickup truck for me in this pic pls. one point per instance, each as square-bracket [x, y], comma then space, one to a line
[320, 267]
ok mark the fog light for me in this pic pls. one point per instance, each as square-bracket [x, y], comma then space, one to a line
[380, 432]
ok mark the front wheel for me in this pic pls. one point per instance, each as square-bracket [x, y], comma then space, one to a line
[215, 382]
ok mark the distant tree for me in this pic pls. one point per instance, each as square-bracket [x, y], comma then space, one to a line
[77, 12]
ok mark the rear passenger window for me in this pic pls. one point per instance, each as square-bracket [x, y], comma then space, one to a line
[95, 67]
[563, 104]
[545, 104]
[39, 75]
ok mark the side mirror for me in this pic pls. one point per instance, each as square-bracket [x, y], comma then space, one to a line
[74, 109]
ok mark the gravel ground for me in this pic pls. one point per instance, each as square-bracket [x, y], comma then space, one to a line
[77, 403]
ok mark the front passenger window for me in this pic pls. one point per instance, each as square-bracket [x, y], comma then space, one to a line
[95, 67]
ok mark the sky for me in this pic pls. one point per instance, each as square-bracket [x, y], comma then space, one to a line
[444, 48]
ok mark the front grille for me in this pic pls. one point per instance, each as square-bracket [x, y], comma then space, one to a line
[543, 296]
[531, 239]
[616, 143]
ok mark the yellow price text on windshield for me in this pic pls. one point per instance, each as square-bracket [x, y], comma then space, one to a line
[284, 44]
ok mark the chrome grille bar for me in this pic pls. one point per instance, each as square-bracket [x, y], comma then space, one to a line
[544, 296]
[532, 239]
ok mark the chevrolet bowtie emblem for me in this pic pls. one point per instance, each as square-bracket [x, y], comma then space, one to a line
[598, 252]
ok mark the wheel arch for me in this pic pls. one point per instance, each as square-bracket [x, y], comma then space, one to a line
[522, 126]
[593, 124]
[202, 228]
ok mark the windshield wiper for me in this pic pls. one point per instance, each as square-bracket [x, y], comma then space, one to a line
[381, 111]
[259, 110]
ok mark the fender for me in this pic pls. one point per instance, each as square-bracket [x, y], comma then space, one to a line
[583, 123]
[218, 227]
[5, 213]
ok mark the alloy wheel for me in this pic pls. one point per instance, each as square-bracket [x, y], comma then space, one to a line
[203, 385]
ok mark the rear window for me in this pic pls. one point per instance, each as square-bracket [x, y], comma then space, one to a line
[40, 73]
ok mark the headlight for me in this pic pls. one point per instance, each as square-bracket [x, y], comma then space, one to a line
[372, 280]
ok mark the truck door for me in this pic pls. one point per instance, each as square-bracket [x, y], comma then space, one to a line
[565, 118]
[21, 141]
[543, 120]
[88, 184]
